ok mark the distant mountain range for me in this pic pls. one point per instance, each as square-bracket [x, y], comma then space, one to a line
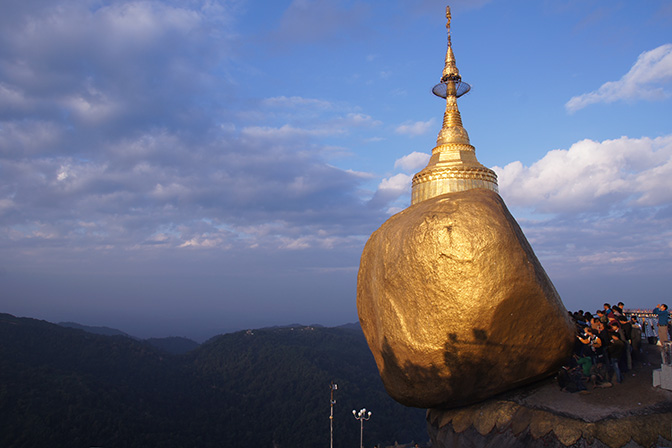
[173, 345]
[68, 385]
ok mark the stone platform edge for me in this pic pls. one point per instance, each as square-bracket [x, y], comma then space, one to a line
[645, 428]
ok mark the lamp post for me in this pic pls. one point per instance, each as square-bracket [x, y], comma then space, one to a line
[333, 386]
[361, 416]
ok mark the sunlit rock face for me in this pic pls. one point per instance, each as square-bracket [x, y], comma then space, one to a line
[455, 305]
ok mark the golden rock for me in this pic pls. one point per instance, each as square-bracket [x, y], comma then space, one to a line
[453, 302]
[455, 305]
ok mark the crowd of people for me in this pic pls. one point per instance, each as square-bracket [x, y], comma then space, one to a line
[608, 342]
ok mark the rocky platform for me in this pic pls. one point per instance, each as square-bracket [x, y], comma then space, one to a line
[631, 414]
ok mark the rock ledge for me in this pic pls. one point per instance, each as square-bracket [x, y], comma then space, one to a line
[632, 414]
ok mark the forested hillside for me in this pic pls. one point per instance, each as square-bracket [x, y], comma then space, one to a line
[261, 388]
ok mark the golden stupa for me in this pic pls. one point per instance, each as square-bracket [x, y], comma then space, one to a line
[453, 165]
[453, 302]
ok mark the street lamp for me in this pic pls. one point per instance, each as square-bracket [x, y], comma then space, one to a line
[361, 416]
[333, 386]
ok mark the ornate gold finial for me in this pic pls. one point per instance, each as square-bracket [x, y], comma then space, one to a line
[453, 165]
[450, 69]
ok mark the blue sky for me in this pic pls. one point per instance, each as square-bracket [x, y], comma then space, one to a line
[189, 167]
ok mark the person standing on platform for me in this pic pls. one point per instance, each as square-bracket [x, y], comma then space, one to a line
[650, 332]
[663, 319]
[635, 336]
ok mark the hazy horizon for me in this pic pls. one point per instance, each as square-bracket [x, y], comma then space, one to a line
[196, 337]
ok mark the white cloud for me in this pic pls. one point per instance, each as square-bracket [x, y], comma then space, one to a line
[21, 138]
[416, 128]
[412, 162]
[295, 243]
[390, 189]
[592, 176]
[296, 102]
[645, 80]
[611, 257]
[12, 98]
[399, 183]
[63, 173]
[91, 106]
[168, 192]
[286, 132]
[360, 120]
[393, 192]
[144, 23]
[318, 126]
[6, 205]
[361, 174]
[206, 242]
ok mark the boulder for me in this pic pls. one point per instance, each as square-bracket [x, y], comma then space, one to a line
[455, 305]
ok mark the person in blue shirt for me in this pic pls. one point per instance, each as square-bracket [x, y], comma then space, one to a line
[663, 319]
[607, 309]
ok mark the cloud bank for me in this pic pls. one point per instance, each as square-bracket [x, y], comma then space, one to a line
[593, 176]
[597, 208]
[118, 134]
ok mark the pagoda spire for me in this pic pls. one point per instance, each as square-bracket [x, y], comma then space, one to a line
[453, 165]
